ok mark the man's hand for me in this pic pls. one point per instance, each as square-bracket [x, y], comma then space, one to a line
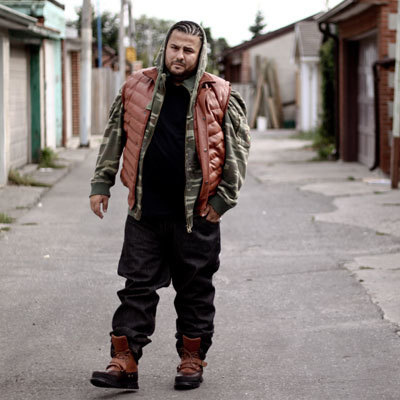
[210, 214]
[95, 204]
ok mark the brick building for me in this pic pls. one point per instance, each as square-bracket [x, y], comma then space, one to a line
[72, 65]
[366, 36]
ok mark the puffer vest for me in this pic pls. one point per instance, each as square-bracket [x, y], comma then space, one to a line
[210, 107]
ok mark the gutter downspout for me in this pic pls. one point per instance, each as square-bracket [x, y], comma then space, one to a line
[385, 63]
[326, 31]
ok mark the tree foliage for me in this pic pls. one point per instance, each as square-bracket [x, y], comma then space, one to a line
[328, 89]
[215, 49]
[258, 26]
[324, 135]
[149, 36]
[109, 27]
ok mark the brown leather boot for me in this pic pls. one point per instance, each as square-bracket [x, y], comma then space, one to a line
[190, 369]
[122, 372]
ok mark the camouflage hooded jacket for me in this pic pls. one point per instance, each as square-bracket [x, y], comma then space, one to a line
[237, 144]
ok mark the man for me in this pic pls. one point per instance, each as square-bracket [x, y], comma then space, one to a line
[185, 141]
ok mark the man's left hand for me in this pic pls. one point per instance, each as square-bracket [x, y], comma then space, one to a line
[210, 214]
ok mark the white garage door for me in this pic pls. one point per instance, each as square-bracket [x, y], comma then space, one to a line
[366, 117]
[19, 106]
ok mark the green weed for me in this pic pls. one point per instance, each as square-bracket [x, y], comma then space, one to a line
[6, 219]
[15, 178]
[48, 158]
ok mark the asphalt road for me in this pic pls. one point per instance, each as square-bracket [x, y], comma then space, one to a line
[292, 322]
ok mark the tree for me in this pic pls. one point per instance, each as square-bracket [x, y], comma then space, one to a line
[149, 36]
[258, 26]
[109, 27]
[215, 49]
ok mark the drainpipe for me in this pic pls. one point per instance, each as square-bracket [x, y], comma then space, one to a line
[395, 159]
[325, 29]
[385, 63]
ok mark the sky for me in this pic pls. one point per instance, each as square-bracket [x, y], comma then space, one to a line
[226, 18]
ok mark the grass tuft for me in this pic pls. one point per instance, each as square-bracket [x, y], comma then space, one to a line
[6, 219]
[15, 178]
[48, 158]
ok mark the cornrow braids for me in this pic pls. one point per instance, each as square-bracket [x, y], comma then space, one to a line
[189, 27]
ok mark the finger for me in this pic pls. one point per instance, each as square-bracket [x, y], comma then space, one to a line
[98, 211]
[206, 211]
[105, 204]
[96, 208]
[212, 216]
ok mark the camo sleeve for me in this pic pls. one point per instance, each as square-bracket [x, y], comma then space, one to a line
[237, 146]
[110, 150]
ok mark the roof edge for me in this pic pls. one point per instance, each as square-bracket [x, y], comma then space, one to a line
[268, 36]
[17, 16]
[335, 10]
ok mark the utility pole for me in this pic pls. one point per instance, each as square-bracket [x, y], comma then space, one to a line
[121, 45]
[394, 168]
[86, 75]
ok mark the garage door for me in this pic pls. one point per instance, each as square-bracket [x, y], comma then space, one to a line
[19, 106]
[366, 116]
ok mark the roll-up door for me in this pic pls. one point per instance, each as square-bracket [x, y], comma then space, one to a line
[19, 106]
[366, 116]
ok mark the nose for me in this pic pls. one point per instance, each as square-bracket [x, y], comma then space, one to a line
[179, 54]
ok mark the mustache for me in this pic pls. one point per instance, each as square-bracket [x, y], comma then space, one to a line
[183, 64]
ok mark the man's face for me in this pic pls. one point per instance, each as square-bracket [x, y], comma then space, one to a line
[182, 54]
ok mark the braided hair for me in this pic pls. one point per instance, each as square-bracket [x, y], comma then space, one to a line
[189, 27]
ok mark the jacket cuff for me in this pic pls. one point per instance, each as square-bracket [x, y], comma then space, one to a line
[219, 205]
[100, 188]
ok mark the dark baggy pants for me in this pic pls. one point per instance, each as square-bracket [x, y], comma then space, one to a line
[156, 251]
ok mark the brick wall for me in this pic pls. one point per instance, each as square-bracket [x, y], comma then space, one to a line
[387, 40]
[75, 71]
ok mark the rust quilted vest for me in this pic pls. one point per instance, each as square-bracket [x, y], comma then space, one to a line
[211, 104]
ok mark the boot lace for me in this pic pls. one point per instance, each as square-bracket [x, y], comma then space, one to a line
[120, 360]
[191, 360]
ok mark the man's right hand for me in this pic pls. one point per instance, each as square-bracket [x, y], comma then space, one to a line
[95, 204]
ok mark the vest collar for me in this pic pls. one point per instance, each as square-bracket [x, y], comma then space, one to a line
[153, 72]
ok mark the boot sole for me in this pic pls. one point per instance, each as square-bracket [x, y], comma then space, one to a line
[107, 381]
[187, 385]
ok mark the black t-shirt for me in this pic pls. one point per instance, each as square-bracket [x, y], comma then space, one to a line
[164, 162]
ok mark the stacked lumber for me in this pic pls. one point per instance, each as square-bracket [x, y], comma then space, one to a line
[267, 99]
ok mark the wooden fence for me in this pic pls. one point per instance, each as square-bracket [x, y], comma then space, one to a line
[247, 91]
[105, 86]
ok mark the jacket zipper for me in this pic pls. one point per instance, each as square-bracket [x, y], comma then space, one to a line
[188, 227]
[147, 146]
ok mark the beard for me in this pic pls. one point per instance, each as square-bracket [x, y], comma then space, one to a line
[181, 74]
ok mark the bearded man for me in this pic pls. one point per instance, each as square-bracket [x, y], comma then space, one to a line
[184, 138]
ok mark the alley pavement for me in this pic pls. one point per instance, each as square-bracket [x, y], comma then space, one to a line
[308, 305]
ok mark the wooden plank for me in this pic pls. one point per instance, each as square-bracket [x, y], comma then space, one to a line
[260, 68]
[277, 95]
[273, 114]
[257, 101]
